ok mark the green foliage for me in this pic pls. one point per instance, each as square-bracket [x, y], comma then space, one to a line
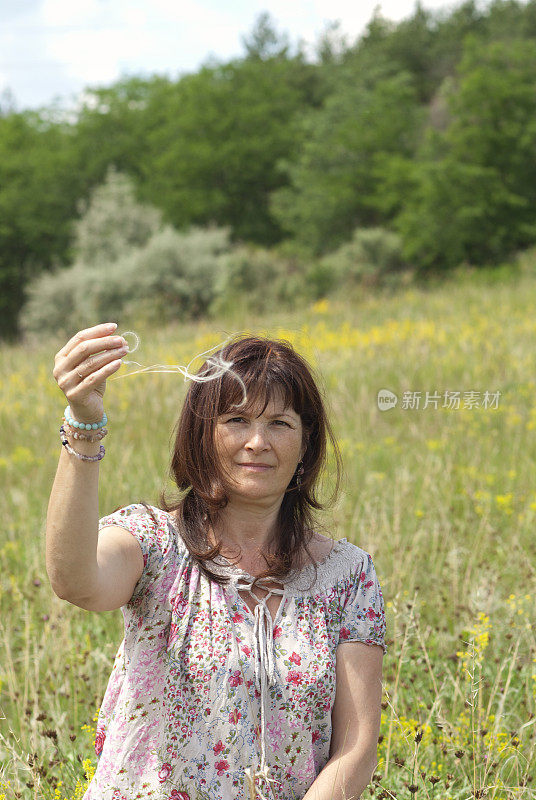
[474, 185]
[171, 277]
[406, 47]
[336, 183]
[112, 127]
[177, 272]
[52, 301]
[37, 203]
[214, 156]
[264, 42]
[321, 279]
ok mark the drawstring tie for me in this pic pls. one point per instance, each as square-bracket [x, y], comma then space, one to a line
[263, 658]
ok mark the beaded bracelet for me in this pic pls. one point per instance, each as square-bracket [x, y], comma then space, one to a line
[82, 456]
[86, 437]
[83, 425]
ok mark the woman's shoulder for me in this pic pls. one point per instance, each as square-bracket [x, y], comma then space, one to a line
[146, 521]
[323, 544]
[320, 548]
[150, 515]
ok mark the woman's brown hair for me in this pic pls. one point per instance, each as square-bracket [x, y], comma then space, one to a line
[267, 367]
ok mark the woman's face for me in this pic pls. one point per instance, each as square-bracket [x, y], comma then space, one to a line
[259, 454]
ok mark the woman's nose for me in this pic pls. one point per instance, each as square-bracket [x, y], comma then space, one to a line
[257, 439]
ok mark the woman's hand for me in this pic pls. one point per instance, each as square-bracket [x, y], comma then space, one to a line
[94, 354]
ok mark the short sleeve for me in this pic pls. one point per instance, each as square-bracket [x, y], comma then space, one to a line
[136, 519]
[363, 613]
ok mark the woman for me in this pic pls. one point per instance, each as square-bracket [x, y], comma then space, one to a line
[252, 657]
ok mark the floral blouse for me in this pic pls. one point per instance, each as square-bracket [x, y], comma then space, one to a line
[205, 698]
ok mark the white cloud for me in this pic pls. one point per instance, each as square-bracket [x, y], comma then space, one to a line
[62, 13]
[96, 40]
[85, 40]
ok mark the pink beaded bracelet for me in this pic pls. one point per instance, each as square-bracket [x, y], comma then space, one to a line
[82, 456]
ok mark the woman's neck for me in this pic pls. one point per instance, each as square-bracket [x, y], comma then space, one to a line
[253, 532]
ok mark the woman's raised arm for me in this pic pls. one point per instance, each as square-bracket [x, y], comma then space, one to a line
[81, 369]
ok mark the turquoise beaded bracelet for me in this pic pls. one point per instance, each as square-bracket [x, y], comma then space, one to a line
[83, 425]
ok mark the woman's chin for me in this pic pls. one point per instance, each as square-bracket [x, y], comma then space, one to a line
[255, 492]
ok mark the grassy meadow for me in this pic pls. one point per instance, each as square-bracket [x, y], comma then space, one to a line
[442, 497]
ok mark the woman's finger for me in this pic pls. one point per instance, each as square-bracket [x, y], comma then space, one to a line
[67, 376]
[84, 350]
[79, 391]
[104, 329]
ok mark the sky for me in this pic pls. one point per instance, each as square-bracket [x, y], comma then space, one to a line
[51, 50]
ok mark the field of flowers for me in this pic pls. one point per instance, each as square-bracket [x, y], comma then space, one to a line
[437, 488]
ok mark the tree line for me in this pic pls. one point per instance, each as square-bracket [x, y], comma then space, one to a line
[425, 128]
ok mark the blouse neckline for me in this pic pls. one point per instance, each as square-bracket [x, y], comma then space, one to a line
[296, 580]
[231, 570]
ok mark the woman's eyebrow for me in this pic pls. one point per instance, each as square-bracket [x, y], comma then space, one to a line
[270, 416]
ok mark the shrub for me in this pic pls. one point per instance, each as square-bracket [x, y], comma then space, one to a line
[113, 221]
[172, 275]
[179, 270]
[256, 279]
[51, 302]
[371, 254]
[321, 279]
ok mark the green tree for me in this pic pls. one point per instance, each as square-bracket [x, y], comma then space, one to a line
[335, 184]
[264, 42]
[215, 154]
[38, 192]
[408, 45]
[113, 126]
[471, 192]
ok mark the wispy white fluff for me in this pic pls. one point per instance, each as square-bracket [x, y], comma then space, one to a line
[217, 366]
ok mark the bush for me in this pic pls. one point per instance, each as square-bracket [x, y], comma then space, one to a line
[179, 270]
[256, 279]
[372, 254]
[51, 302]
[321, 279]
[126, 263]
[173, 275]
[113, 222]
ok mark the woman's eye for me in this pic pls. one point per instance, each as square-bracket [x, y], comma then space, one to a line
[282, 422]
